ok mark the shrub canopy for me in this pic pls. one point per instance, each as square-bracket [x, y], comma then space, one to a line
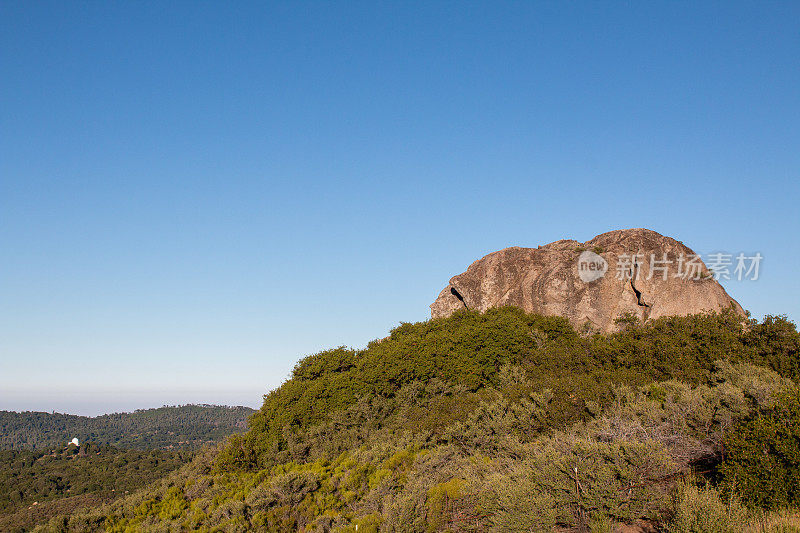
[468, 350]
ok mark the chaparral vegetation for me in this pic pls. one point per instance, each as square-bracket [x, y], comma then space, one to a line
[506, 421]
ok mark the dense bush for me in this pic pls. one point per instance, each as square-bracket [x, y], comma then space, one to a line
[494, 471]
[700, 508]
[500, 421]
[762, 455]
[90, 473]
[468, 351]
[776, 344]
[572, 480]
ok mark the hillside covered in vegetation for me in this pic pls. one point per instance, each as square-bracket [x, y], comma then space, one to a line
[36, 485]
[184, 427]
[507, 421]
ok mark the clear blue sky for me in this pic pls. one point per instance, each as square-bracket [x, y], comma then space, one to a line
[194, 195]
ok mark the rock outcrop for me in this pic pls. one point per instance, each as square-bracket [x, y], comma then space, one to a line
[626, 271]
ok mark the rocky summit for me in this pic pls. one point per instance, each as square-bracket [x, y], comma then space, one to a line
[636, 271]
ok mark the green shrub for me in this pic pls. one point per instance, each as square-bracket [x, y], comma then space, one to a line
[571, 479]
[602, 524]
[776, 343]
[327, 362]
[702, 510]
[440, 501]
[498, 421]
[762, 455]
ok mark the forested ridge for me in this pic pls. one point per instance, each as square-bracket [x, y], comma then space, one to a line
[184, 427]
[507, 421]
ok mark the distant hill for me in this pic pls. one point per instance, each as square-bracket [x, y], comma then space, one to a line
[184, 427]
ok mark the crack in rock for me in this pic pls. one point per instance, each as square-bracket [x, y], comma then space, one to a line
[640, 301]
[455, 293]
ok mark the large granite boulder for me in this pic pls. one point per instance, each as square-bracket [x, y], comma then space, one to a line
[626, 271]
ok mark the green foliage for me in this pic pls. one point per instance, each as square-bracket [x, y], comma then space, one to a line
[572, 479]
[762, 455]
[694, 420]
[614, 468]
[91, 473]
[698, 507]
[776, 342]
[701, 509]
[499, 421]
[186, 427]
[496, 423]
[327, 362]
[470, 352]
[440, 500]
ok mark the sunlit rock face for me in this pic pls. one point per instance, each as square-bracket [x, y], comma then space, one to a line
[634, 271]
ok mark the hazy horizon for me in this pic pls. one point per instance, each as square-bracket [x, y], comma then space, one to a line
[195, 196]
[103, 403]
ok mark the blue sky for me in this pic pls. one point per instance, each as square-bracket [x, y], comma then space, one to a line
[194, 195]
